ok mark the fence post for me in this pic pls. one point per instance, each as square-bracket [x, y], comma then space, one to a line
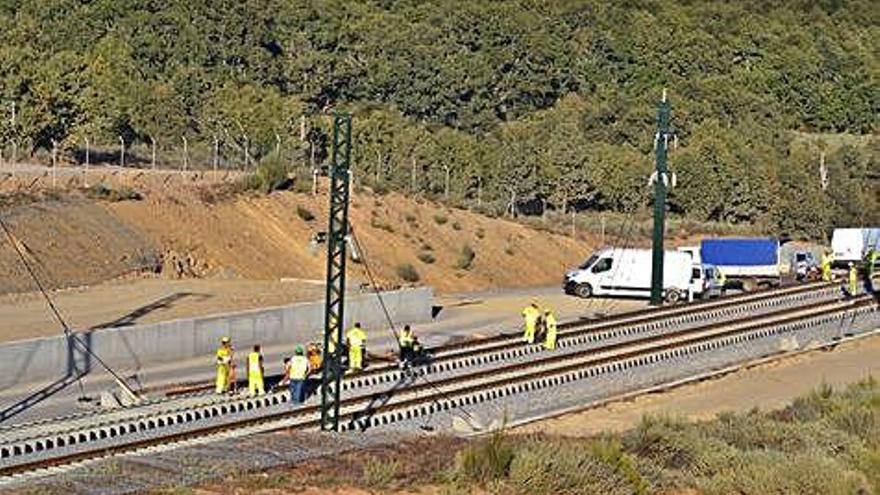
[246, 156]
[86, 170]
[54, 163]
[153, 153]
[121, 152]
[185, 153]
[216, 151]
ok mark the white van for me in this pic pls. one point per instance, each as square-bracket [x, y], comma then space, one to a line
[627, 272]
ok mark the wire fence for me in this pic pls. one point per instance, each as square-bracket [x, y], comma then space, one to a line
[183, 154]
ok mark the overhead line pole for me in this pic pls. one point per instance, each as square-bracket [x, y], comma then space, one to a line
[661, 181]
[331, 378]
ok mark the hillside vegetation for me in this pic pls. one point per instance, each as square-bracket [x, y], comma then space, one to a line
[517, 102]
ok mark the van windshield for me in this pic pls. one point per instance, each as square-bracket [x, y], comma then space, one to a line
[592, 259]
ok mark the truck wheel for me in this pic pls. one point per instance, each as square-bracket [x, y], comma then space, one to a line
[584, 290]
[672, 296]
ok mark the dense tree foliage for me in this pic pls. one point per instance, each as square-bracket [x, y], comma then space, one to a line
[478, 100]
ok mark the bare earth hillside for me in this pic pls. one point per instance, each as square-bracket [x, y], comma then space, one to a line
[183, 227]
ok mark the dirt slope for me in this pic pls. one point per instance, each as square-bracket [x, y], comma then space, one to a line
[74, 242]
[185, 229]
[263, 237]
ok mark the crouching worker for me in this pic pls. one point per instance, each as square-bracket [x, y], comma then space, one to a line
[406, 341]
[298, 372]
[313, 353]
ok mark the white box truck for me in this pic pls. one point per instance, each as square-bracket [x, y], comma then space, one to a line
[627, 272]
[851, 245]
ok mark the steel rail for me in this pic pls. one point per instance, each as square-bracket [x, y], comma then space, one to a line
[506, 340]
[611, 358]
[578, 332]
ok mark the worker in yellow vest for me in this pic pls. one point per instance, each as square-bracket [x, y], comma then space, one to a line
[356, 339]
[825, 264]
[853, 287]
[298, 372]
[406, 340]
[531, 314]
[224, 363]
[255, 372]
[549, 330]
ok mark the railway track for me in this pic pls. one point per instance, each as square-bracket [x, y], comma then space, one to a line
[596, 330]
[407, 398]
[458, 357]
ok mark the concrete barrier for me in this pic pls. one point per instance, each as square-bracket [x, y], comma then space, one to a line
[135, 347]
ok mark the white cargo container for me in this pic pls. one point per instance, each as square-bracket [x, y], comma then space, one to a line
[627, 272]
[850, 245]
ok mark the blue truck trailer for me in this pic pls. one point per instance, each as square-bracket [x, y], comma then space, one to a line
[752, 260]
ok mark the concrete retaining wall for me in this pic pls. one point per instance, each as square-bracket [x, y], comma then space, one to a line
[135, 347]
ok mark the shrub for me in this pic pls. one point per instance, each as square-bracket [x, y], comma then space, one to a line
[486, 460]
[758, 472]
[508, 250]
[410, 218]
[440, 219]
[552, 466]
[302, 183]
[381, 189]
[465, 258]
[103, 192]
[379, 474]
[304, 213]
[426, 258]
[407, 272]
[480, 233]
[271, 175]
[378, 224]
[456, 226]
[427, 247]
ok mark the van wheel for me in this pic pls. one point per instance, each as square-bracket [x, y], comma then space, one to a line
[584, 290]
[672, 296]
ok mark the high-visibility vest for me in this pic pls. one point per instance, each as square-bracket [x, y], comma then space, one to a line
[550, 322]
[356, 337]
[224, 356]
[407, 339]
[299, 367]
[531, 315]
[254, 363]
